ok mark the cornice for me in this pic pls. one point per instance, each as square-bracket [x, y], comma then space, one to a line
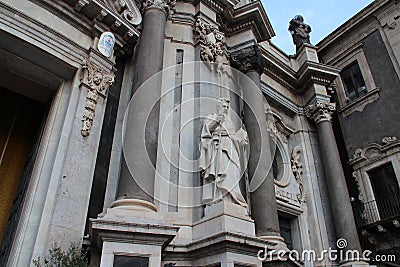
[315, 73]
[92, 17]
[252, 17]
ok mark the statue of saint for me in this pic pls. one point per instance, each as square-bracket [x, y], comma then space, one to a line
[300, 31]
[220, 157]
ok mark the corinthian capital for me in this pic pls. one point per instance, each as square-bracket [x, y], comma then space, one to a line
[320, 110]
[164, 5]
[248, 59]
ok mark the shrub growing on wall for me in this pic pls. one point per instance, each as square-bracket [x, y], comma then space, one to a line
[73, 257]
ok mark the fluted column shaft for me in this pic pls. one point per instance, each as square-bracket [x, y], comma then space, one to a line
[141, 135]
[320, 112]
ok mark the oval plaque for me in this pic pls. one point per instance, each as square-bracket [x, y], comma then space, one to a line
[106, 44]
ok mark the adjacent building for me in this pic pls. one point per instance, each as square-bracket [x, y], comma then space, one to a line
[366, 49]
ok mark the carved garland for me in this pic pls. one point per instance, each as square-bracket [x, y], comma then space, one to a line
[297, 169]
[212, 47]
[98, 81]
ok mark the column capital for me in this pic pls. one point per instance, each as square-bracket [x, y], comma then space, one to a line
[248, 59]
[320, 110]
[164, 5]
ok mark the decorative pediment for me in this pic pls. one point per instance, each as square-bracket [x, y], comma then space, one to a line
[375, 151]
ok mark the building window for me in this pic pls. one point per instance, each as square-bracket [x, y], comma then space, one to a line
[353, 81]
[285, 227]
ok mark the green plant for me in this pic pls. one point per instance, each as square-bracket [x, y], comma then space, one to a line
[73, 257]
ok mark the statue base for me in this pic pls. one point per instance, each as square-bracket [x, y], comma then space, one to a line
[223, 217]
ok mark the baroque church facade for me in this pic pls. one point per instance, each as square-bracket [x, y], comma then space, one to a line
[175, 133]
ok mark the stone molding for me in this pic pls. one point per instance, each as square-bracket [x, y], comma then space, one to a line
[297, 169]
[248, 59]
[97, 80]
[374, 151]
[164, 5]
[360, 103]
[320, 111]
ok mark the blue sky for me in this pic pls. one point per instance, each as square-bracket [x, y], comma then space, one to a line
[323, 16]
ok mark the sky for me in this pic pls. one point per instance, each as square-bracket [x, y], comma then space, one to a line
[324, 16]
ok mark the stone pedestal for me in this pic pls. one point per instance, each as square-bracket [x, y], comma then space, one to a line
[224, 217]
[132, 232]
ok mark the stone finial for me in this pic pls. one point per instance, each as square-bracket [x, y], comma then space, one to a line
[98, 81]
[320, 110]
[165, 5]
[300, 31]
[248, 59]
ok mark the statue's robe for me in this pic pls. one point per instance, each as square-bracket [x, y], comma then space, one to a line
[220, 149]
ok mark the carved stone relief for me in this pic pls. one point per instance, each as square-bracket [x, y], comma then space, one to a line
[374, 151]
[357, 177]
[212, 47]
[98, 81]
[297, 169]
[128, 10]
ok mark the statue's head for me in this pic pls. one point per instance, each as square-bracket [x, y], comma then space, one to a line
[223, 106]
[299, 17]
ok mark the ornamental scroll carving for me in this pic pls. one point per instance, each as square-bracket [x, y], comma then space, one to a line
[98, 81]
[212, 47]
[297, 169]
[374, 151]
[321, 111]
[128, 10]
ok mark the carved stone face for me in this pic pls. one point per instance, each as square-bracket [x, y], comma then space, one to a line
[98, 77]
[223, 107]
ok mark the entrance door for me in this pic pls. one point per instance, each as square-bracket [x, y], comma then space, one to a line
[20, 118]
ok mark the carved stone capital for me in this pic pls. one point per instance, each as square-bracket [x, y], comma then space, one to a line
[97, 80]
[165, 5]
[248, 59]
[320, 111]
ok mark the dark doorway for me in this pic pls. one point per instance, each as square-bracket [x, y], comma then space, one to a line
[21, 121]
[386, 190]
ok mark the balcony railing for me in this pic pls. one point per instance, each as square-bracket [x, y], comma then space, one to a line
[377, 210]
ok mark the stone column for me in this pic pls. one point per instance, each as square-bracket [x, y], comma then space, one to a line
[320, 112]
[136, 185]
[263, 200]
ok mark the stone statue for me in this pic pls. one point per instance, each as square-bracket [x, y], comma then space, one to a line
[300, 31]
[220, 157]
